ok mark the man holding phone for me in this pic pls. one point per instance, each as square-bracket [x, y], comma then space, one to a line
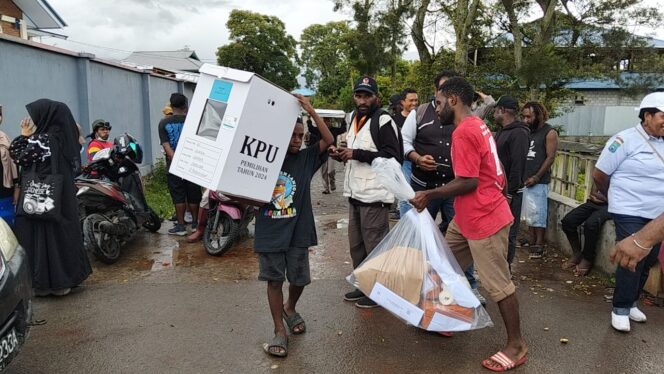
[372, 133]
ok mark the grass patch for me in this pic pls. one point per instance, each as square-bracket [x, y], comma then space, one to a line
[156, 191]
[581, 187]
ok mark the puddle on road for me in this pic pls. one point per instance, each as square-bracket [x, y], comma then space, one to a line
[163, 256]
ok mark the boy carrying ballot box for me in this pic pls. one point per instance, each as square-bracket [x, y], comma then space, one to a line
[285, 230]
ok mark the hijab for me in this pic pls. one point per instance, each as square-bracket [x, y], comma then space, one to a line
[9, 171]
[55, 118]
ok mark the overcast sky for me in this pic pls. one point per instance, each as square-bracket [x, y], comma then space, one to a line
[128, 25]
[113, 28]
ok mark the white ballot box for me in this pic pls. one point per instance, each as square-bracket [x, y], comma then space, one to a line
[236, 133]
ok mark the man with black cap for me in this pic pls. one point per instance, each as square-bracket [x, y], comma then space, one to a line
[512, 141]
[372, 133]
[182, 191]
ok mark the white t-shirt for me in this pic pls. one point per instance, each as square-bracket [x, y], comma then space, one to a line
[636, 172]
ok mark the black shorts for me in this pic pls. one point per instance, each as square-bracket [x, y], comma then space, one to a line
[183, 191]
[279, 266]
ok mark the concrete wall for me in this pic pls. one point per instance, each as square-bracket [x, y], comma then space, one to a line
[608, 98]
[559, 206]
[128, 98]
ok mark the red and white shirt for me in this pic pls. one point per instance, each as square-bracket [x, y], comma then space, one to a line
[483, 211]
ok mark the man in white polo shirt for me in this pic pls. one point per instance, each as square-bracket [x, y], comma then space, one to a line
[630, 171]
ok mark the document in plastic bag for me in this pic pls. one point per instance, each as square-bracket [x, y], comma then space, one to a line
[412, 272]
[396, 304]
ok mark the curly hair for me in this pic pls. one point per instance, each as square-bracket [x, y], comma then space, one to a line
[458, 86]
[539, 111]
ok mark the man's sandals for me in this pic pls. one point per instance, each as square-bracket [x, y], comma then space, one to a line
[583, 268]
[500, 362]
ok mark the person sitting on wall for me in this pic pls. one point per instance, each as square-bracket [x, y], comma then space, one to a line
[592, 214]
[101, 131]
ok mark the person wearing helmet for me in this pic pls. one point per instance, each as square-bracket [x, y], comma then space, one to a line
[101, 131]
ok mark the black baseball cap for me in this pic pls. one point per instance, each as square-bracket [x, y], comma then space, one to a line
[366, 84]
[395, 99]
[507, 102]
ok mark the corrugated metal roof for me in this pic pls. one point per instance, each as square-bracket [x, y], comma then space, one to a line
[181, 60]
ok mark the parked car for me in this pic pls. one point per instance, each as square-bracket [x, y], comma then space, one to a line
[15, 295]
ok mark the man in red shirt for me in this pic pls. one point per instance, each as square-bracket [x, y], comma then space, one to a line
[479, 230]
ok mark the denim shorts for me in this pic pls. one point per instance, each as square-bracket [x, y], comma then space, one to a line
[535, 204]
[279, 266]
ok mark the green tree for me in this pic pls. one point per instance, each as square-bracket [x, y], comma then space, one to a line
[326, 62]
[572, 39]
[260, 44]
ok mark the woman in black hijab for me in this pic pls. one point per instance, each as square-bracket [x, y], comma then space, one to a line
[55, 249]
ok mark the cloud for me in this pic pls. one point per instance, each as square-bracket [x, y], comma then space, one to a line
[120, 26]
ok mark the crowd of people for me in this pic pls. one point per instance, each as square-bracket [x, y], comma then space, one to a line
[477, 181]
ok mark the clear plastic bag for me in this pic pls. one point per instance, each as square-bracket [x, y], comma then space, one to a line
[389, 174]
[528, 207]
[413, 274]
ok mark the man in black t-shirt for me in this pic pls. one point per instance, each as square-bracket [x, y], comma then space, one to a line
[408, 101]
[285, 229]
[182, 191]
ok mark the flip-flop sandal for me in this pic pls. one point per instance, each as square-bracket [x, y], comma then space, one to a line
[279, 341]
[500, 362]
[571, 263]
[293, 321]
[581, 272]
[536, 252]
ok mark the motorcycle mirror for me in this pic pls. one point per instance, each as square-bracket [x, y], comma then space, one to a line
[104, 154]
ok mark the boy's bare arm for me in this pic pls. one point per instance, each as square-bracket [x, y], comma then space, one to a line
[327, 138]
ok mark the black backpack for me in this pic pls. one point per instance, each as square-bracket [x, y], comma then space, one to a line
[375, 130]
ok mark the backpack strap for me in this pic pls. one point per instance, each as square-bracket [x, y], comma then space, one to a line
[375, 130]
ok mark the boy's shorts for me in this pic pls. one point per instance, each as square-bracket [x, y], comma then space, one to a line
[279, 266]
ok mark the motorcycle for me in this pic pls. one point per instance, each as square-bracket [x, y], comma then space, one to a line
[112, 204]
[227, 223]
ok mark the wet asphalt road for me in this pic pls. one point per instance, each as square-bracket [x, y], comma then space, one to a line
[167, 307]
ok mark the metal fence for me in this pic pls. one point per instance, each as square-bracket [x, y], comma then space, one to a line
[130, 99]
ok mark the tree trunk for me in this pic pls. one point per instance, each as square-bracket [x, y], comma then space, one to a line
[464, 17]
[515, 28]
[417, 33]
[547, 22]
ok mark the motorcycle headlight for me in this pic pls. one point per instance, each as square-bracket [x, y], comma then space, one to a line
[8, 242]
